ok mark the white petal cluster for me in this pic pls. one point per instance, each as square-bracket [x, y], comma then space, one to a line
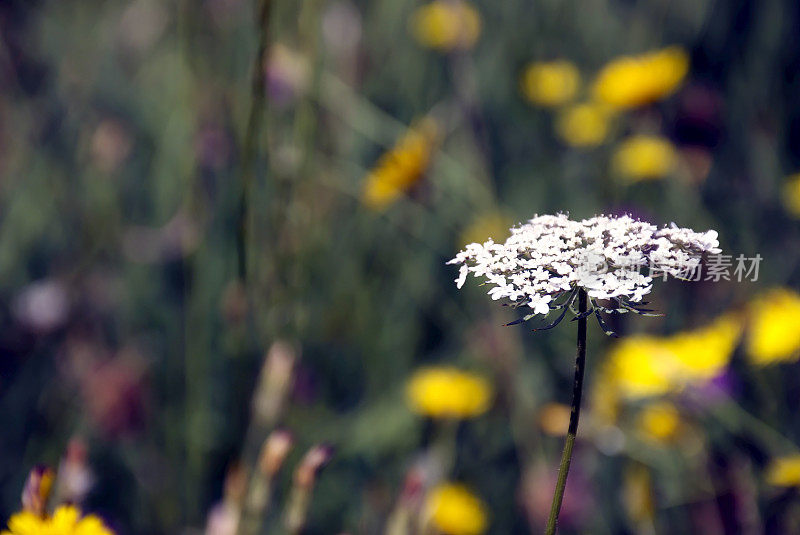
[610, 257]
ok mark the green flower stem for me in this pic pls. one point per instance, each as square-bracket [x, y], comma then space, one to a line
[572, 431]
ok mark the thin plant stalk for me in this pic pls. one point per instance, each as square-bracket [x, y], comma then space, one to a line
[572, 431]
[251, 137]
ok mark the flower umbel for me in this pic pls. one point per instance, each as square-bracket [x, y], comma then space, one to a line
[545, 261]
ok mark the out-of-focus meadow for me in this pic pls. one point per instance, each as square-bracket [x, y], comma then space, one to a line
[224, 303]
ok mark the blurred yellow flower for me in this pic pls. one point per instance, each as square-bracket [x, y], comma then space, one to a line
[784, 471]
[554, 419]
[493, 225]
[774, 327]
[66, 520]
[791, 194]
[703, 353]
[446, 392]
[644, 158]
[402, 167]
[632, 81]
[446, 25]
[453, 509]
[658, 422]
[550, 83]
[583, 125]
[640, 366]
[643, 366]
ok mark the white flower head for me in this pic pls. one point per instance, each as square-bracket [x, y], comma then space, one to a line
[612, 258]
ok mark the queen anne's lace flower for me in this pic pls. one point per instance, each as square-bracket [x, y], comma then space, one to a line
[612, 258]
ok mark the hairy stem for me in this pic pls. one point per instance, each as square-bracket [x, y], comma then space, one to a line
[572, 431]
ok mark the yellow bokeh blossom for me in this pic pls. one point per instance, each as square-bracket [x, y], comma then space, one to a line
[550, 83]
[659, 422]
[643, 366]
[66, 520]
[446, 25]
[640, 366]
[554, 419]
[702, 354]
[784, 471]
[454, 510]
[493, 225]
[446, 392]
[583, 125]
[774, 328]
[402, 167]
[790, 194]
[633, 81]
[644, 158]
